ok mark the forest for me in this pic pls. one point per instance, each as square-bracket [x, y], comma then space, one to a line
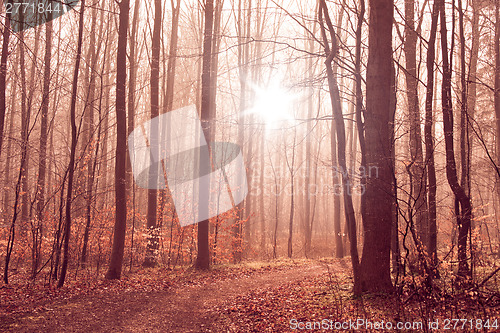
[249, 165]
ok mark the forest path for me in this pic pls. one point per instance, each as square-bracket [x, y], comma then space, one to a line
[183, 309]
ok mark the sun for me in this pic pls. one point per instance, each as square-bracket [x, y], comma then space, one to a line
[273, 104]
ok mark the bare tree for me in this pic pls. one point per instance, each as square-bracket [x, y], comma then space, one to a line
[153, 240]
[338, 124]
[3, 73]
[375, 273]
[207, 119]
[74, 142]
[429, 136]
[418, 202]
[115, 264]
[42, 164]
[464, 214]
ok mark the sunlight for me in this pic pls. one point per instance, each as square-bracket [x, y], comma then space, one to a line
[273, 105]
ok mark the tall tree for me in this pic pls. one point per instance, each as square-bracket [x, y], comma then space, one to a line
[359, 97]
[375, 263]
[465, 211]
[497, 83]
[74, 142]
[42, 164]
[418, 202]
[338, 130]
[115, 264]
[3, 73]
[172, 55]
[429, 135]
[132, 86]
[92, 143]
[153, 241]
[291, 168]
[207, 117]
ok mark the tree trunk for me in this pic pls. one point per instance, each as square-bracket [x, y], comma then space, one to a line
[375, 263]
[207, 120]
[497, 85]
[464, 214]
[337, 229]
[292, 202]
[74, 141]
[429, 136]
[153, 240]
[242, 73]
[7, 208]
[338, 124]
[42, 161]
[418, 201]
[3, 73]
[131, 90]
[395, 250]
[115, 265]
[359, 101]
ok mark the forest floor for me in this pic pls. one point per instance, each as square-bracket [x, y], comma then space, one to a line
[252, 297]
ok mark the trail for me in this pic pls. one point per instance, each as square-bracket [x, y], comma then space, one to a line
[185, 309]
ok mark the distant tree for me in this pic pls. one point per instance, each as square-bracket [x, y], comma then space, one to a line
[291, 168]
[308, 198]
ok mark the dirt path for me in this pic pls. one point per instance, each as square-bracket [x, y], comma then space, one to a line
[179, 310]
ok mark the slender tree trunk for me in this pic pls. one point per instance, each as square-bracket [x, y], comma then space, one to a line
[464, 125]
[74, 141]
[263, 233]
[307, 182]
[94, 140]
[292, 197]
[243, 72]
[172, 56]
[153, 240]
[497, 85]
[429, 136]
[464, 214]
[6, 197]
[131, 89]
[249, 143]
[359, 101]
[29, 91]
[418, 201]
[465, 146]
[338, 124]
[12, 230]
[3, 73]
[207, 119]
[308, 222]
[42, 161]
[395, 250]
[25, 112]
[115, 265]
[337, 229]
